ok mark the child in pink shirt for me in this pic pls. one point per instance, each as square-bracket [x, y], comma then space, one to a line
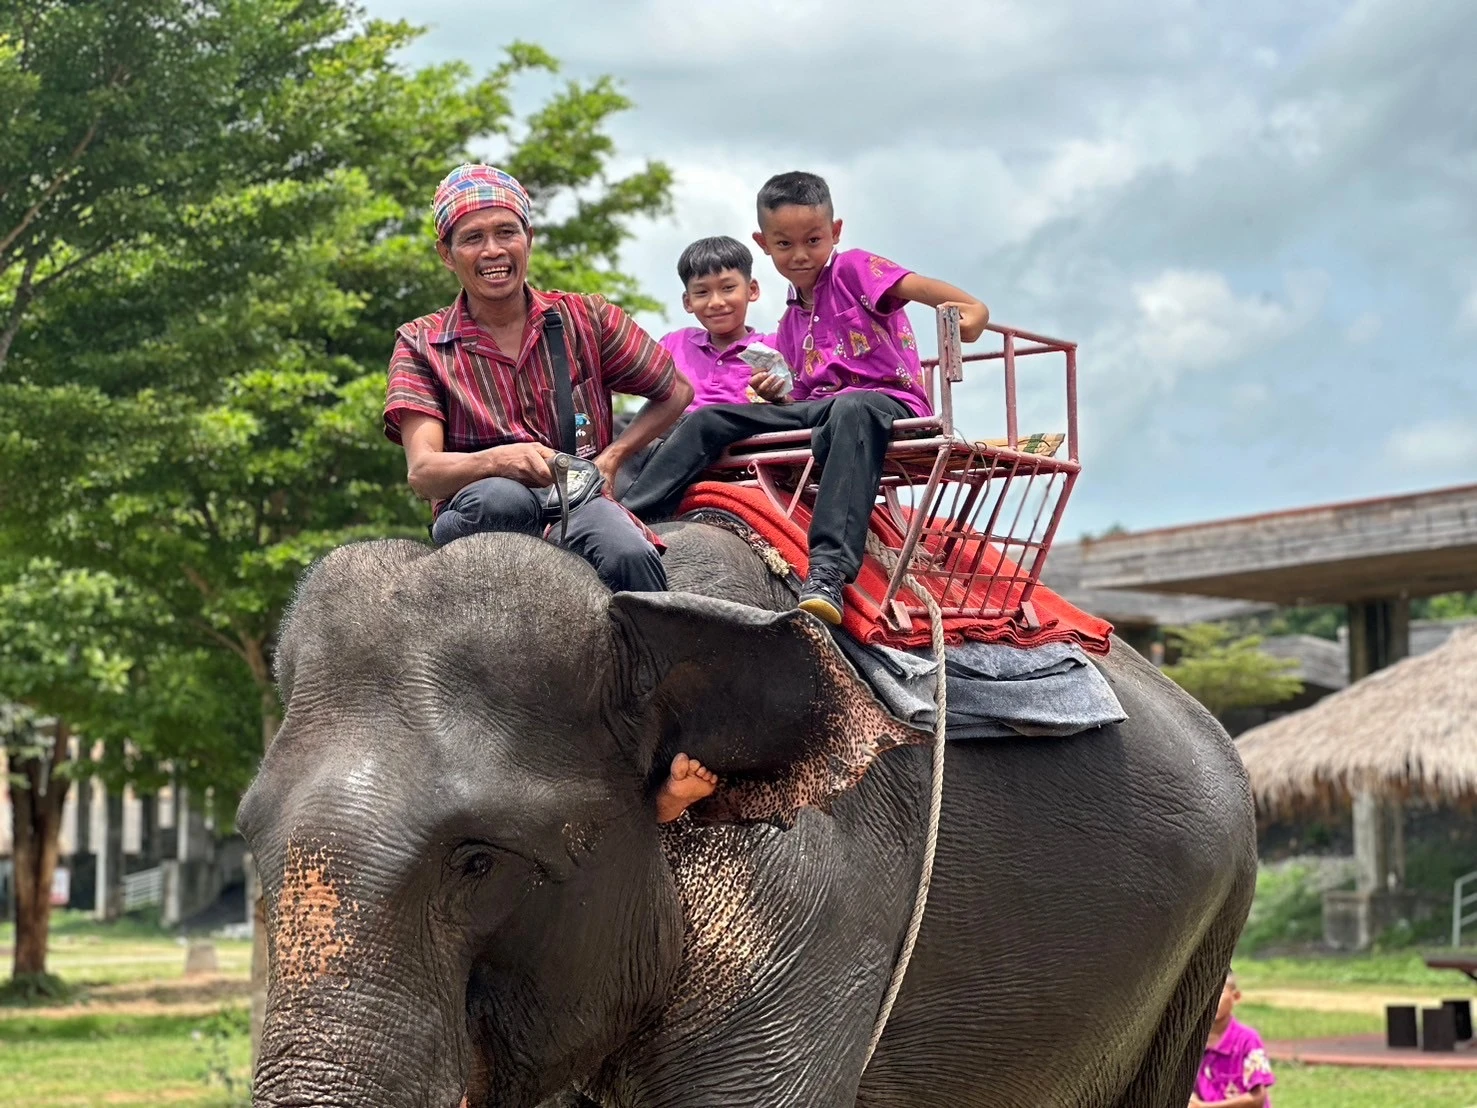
[1235, 1072]
[718, 286]
[856, 369]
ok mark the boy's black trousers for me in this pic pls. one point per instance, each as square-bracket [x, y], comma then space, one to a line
[852, 431]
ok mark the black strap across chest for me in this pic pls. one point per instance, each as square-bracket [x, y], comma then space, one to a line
[559, 360]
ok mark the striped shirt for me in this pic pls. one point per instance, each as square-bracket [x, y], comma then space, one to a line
[445, 365]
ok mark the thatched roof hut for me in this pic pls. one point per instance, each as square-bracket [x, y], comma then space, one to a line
[1409, 731]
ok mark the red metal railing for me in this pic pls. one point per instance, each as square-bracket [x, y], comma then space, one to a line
[973, 520]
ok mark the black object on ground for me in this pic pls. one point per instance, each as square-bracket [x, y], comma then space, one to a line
[1438, 1030]
[1461, 1011]
[1400, 1027]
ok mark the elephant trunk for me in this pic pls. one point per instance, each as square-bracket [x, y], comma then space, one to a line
[358, 1044]
[361, 1011]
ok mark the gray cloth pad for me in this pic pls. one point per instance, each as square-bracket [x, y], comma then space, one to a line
[995, 691]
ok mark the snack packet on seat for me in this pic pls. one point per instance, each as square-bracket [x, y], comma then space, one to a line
[767, 359]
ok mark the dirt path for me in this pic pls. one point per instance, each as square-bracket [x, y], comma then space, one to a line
[1371, 1001]
[196, 996]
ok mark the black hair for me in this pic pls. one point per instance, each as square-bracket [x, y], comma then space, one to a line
[804, 190]
[706, 257]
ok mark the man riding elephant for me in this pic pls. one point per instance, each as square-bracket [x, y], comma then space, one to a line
[474, 396]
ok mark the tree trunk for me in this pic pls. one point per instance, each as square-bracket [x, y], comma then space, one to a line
[36, 808]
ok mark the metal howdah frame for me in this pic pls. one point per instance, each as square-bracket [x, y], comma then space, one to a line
[971, 520]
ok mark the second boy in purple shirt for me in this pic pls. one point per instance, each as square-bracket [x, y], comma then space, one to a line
[718, 285]
[856, 371]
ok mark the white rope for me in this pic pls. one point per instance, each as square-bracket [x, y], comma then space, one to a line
[935, 804]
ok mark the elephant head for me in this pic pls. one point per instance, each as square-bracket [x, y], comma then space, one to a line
[466, 886]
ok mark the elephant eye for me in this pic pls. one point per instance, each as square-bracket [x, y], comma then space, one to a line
[477, 866]
[473, 860]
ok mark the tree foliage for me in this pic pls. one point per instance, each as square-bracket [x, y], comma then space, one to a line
[1225, 673]
[213, 215]
[1447, 606]
[200, 417]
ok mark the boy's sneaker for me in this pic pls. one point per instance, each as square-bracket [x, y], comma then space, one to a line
[821, 595]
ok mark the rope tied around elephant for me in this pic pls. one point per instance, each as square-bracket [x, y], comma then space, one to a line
[889, 560]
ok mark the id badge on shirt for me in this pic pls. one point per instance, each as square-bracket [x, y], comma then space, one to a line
[584, 436]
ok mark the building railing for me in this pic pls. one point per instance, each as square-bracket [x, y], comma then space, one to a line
[1461, 901]
[143, 888]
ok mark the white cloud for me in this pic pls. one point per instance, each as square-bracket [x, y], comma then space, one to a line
[1130, 173]
[1439, 446]
[1191, 320]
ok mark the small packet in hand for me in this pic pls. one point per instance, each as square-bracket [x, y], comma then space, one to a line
[766, 359]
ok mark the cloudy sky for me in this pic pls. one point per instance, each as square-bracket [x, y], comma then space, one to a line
[1258, 218]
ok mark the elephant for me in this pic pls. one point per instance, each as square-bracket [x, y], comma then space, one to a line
[468, 895]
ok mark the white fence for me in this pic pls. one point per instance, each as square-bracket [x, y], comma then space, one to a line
[143, 888]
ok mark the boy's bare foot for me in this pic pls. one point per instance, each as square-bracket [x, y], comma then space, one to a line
[688, 782]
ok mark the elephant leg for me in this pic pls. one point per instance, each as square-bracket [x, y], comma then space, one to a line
[1166, 1076]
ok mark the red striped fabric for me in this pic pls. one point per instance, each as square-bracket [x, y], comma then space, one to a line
[445, 365]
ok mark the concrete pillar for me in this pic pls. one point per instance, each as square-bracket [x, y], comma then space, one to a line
[1142, 639]
[84, 860]
[109, 850]
[1395, 850]
[1371, 843]
[148, 830]
[1379, 636]
[83, 843]
[171, 910]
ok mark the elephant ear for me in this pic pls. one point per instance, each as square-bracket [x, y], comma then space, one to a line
[764, 699]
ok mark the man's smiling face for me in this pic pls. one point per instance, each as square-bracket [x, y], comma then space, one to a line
[488, 252]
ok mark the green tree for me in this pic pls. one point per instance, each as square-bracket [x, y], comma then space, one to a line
[1225, 673]
[199, 418]
[1451, 605]
[65, 653]
[119, 113]
[201, 415]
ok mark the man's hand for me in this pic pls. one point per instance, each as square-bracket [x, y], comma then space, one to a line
[608, 466]
[972, 318]
[524, 462]
[771, 386]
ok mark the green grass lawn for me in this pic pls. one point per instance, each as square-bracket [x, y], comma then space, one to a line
[163, 1057]
[1275, 1024]
[110, 1060]
[85, 952]
[1332, 1087]
[1400, 969]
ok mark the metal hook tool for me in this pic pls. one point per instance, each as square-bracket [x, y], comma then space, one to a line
[560, 466]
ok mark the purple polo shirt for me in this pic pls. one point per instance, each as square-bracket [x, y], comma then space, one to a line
[717, 376]
[1235, 1065]
[857, 337]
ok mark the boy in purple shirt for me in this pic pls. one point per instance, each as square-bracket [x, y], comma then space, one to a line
[856, 371]
[1235, 1072]
[718, 286]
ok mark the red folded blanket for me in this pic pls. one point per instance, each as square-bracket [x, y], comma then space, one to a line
[1058, 620]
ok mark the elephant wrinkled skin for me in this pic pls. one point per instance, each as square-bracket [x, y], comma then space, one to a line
[468, 892]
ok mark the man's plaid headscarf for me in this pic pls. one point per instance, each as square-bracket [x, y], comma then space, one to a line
[470, 188]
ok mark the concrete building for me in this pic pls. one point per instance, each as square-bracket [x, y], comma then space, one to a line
[127, 850]
[1373, 556]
